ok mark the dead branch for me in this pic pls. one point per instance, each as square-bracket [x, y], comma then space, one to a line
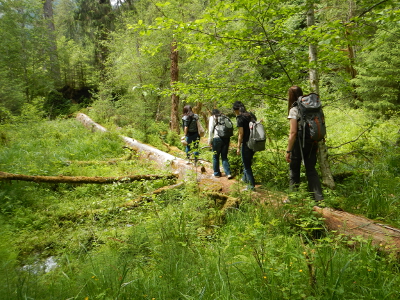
[352, 141]
[83, 179]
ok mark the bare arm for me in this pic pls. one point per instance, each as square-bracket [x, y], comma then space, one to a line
[292, 138]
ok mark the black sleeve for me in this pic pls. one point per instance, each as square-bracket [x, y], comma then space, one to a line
[239, 121]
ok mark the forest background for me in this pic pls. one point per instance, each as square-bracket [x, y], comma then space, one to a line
[131, 66]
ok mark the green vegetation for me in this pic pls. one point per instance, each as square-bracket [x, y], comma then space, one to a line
[131, 66]
[178, 245]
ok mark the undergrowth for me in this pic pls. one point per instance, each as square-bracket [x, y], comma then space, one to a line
[176, 245]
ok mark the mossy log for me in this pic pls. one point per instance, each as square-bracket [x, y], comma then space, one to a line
[164, 160]
[83, 179]
[383, 236]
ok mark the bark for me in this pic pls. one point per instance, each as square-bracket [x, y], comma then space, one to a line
[385, 237]
[327, 177]
[313, 54]
[83, 179]
[326, 173]
[174, 79]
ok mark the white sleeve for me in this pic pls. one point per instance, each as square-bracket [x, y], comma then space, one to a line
[293, 113]
[210, 129]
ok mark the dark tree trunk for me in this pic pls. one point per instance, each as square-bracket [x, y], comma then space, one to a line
[52, 44]
[174, 79]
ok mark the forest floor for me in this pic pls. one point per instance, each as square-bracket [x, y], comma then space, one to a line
[339, 221]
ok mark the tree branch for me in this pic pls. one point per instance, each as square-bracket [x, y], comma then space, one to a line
[352, 140]
[371, 8]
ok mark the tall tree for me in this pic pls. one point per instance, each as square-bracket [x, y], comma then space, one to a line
[174, 80]
[326, 172]
[52, 43]
[98, 17]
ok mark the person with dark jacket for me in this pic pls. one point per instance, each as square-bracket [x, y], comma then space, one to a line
[219, 145]
[189, 126]
[243, 119]
[294, 152]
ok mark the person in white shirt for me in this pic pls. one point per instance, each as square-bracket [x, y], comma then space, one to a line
[293, 152]
[219, 146]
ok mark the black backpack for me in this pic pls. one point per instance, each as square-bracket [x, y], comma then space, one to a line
[192, 127]
[312, 119]
[224, 126]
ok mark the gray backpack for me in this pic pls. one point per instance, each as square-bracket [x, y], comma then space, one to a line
[224, 126]
[257, 138]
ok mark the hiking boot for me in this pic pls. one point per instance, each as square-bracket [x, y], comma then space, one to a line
[230, 176]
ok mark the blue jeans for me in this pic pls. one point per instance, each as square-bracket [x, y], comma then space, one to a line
[247, 160]
[220, 147]
[310, 160]
[193, 141]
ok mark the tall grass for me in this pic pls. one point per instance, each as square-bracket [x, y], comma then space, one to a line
[178, 245]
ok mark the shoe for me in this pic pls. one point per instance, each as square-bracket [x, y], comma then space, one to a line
[248, 189]
[217, 176]
[230, 176]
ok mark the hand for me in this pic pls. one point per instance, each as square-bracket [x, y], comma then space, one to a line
[288, 157]
[238, 151]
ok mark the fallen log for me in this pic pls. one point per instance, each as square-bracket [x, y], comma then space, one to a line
[164, 160]
[83, 179]
[383, 236]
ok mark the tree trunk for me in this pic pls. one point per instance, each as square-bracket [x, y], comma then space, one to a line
[54, 65]
[174, 79]
[83, 179]
[385, 237]
[164, 160]
[313, 54]
[327, 178]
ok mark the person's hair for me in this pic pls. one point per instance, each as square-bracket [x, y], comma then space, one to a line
[187, 111]
[238, 105]
[294, 93]
[215, 112]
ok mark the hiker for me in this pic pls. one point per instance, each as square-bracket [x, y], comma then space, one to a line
[189, 126]
[243, 119]
[293, 151]
[219, 144]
